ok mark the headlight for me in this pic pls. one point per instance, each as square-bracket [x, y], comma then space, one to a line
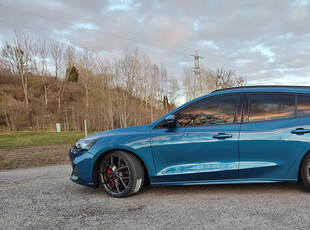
[85, 143]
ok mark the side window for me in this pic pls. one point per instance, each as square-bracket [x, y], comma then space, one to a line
[266, 107]
[303, 106]
[218, 110]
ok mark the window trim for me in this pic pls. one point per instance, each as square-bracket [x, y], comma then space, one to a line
[238, 111]
[245, 119]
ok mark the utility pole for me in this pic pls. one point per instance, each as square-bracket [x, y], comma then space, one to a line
[196, 70]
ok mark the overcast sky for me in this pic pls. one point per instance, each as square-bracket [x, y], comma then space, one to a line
[268, 41]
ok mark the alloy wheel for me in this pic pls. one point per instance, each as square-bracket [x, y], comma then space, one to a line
[115, 174]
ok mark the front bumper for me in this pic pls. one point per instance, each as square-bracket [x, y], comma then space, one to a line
[82, 165]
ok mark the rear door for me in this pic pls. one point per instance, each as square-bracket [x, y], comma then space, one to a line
[273, 134]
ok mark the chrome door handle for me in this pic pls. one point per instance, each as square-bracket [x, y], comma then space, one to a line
[222, 136]
[300, 131]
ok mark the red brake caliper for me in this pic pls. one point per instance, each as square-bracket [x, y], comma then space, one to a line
[109, 172]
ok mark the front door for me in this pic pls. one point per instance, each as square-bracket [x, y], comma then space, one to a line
[203, 146]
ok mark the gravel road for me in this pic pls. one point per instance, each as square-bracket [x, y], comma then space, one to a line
[45, 198]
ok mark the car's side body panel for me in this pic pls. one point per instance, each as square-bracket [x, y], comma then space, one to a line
[269, 149]
[191, 153]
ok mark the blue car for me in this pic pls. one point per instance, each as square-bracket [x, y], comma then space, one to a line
[257, 134]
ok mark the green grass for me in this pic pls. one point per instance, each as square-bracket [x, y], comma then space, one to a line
[25, 139]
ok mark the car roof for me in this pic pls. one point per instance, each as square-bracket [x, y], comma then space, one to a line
[264, 88]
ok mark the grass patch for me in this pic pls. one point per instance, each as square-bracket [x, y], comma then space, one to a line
[26, 139]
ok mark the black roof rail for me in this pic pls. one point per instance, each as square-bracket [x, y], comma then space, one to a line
[263, 86]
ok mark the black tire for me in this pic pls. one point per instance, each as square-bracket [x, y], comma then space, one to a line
[121, 174]
[305, 171]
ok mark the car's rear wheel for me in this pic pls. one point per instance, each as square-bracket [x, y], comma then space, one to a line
[121, 174]
[305, 171]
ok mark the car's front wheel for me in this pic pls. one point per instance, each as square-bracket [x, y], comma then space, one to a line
[121, 174]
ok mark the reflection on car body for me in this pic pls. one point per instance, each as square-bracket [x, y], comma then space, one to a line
[238, 135]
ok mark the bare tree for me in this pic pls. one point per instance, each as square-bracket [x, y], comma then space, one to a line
[125, 91]
[154, 86]
[210, 80]
[173, 90]
[222, 78]
[4, 67]
[19, 54]
[108, 97]
[147, 71]
[163, 82]
[86, 72]
[5, 111]
[130, 70]
[42, 52]
[189, 84]
[57, 52]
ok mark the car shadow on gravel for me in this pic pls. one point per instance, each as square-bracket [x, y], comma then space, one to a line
[263, 188]
[230, 188]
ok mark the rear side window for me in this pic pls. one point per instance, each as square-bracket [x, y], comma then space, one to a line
[303, 106]
[267, 107]
[213, 111]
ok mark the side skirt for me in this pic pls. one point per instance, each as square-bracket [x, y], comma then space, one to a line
[233, 181]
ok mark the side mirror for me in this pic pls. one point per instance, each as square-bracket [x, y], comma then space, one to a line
[170, 122]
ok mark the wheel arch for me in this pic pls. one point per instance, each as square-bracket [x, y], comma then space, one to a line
[293, 172]
[301, 162]
[95, 175]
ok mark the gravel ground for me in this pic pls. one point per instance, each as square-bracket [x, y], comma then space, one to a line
[45, 198]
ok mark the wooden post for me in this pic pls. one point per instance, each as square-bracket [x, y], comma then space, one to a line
[85, 127]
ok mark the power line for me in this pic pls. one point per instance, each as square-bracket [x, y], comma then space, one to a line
[97, 30]
[223, 62]
[85, 44]
[211, 56]
[196, 70]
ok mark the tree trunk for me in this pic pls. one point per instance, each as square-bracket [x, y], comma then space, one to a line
[24, 79]
[38, 124]
[43, 124]
[7, 121]
[67, 129]
[45, 96]
[59, 101]
[152, 112]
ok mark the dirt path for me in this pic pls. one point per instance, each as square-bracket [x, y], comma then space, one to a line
[34, 156]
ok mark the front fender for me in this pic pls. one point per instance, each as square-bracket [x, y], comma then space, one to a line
[138, 144]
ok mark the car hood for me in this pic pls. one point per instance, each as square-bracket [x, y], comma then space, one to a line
[122, 131]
